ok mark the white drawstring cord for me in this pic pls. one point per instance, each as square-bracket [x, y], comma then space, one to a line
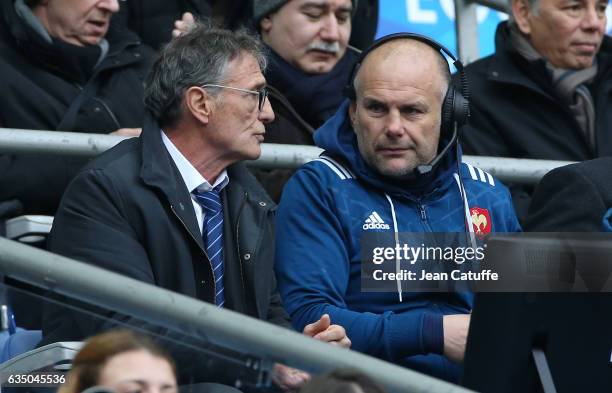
[397, 261]
[466, 210]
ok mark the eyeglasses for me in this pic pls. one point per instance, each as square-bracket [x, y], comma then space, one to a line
[262, 93]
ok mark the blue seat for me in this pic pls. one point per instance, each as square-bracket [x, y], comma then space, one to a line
[17, 343]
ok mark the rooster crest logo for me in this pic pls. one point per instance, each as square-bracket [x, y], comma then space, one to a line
[481, 220]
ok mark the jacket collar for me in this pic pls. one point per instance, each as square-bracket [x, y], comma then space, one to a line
[159, 172]
[337, 137]
[509, 67]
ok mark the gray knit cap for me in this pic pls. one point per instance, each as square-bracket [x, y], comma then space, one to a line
[263, 8]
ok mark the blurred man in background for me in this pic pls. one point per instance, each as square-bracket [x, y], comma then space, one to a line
[545, 92]
[310, 62]
[63, 68]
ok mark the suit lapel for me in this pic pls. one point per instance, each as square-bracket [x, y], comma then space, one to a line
[159, 171]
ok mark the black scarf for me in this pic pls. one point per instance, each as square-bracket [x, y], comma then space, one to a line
[315, 97]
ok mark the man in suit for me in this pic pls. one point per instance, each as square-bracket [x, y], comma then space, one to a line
[176, 207]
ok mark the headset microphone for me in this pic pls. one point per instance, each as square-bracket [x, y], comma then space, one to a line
[421, 170]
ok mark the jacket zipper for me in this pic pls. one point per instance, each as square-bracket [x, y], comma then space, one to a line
[238, 243]
[424, 216]
[196, 240]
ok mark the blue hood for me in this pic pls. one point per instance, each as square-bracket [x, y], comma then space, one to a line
[338, 139]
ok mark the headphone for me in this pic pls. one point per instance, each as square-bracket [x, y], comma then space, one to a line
[455, 107]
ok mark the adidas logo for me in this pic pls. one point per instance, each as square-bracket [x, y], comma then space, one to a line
[374, 222]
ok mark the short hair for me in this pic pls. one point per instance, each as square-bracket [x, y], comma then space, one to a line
[441, 62]
[98, 350]
[532, 4]
[200, 56]
[342, 380]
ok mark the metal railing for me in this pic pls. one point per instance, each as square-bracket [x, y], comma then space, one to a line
[514, 170]
[466, 26]
[178, 312]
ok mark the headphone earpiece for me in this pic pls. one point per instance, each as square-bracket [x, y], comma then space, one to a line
[455, 108]
[447, 113]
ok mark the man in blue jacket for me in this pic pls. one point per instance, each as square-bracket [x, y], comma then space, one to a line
[389, 166]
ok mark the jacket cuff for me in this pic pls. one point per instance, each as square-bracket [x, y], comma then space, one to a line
[433, 333]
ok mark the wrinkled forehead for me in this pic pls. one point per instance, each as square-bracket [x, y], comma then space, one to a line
[245, 69]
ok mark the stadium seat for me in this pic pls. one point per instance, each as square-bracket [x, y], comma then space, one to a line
[14, 341]
[17, 343]
[57, 357]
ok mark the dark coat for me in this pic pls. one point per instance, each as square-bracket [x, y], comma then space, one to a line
[39, 82]
[129, 211]
[573, 198]
[515, 114]
[153, 20]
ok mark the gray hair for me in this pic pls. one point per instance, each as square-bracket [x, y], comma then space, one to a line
[533, 5]
[200, 56]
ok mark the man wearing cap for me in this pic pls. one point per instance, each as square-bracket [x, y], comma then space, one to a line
[310, 62]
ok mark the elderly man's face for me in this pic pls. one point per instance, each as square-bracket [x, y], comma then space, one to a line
[311, 35]
[237, 124]
[397, 112]
[568, 33]
[78, 22]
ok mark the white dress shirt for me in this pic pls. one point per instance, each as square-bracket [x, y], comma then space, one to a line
[192, 178]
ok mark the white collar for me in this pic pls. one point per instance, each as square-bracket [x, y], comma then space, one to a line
[192, 178]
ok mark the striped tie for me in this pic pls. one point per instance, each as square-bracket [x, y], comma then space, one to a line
[212, 234]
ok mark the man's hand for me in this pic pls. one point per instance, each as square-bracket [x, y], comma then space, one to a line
[183, 25]
[291, 379]
[323, 330]
[287, 378]
[127, 132]
[455, 336]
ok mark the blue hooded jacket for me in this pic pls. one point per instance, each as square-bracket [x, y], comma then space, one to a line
[320, 223]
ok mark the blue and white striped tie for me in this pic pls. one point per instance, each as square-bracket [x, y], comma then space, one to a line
[212, 235]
